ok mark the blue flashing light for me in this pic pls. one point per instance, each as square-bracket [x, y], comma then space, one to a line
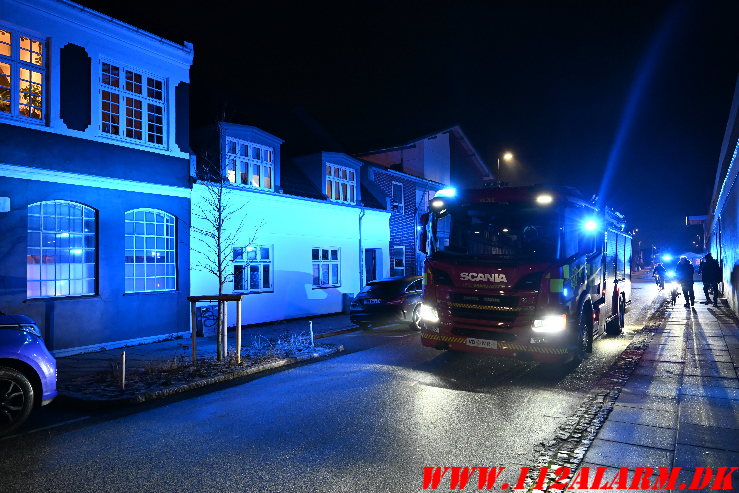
[446, 192]
[590, 225]
[566, 292]
[667, 257]
[670, 273]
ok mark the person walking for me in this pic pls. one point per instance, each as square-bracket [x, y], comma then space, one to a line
[710, 272]
[685, 271]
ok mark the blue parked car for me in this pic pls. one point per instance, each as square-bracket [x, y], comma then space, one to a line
[27, 371]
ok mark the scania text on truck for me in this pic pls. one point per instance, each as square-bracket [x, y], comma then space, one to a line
[535, 273]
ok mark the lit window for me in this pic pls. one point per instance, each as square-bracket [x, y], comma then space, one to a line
[61, 250]
[397, 199]
[249, 164]
[253, 269]
[399, 261]
[341, 184]
[132, 105]
[151, 261]
[22, 76]
[326, 267]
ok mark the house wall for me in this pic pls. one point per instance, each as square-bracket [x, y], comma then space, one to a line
[293, 226]
[66, 156]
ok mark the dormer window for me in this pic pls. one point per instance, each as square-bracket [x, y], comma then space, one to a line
[249, 164]
[341, 183]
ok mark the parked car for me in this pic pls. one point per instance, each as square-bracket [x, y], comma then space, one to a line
[27, 371]
[390, 300]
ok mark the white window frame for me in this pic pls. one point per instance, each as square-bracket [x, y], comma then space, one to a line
[123, 95]
[326, 263]
[397, 207]
[55, 236]
[401, 258]
[17, 65]
[150, 251]
[334, 185]
[242, 157]
[243, 262]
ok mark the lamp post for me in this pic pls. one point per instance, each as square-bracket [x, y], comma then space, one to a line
[506, 157]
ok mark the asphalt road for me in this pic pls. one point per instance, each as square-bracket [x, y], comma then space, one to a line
[368, 420]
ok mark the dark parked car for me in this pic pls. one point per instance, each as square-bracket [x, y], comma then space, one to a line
[391, 300]
[27, 371]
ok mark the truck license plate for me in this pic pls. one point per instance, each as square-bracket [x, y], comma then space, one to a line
[486, 343]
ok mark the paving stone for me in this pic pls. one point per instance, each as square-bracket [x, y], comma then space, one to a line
[691, 456]
[644, 416]
[617, 454]
[641, 400]
[707, 411]
[648, 436]
[664, 387]
[660, 368]
[705, 368]
[708, 436]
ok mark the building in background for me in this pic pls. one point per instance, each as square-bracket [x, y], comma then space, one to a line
[407, 176]
[723, 218]
[308, 224]
[94, 176]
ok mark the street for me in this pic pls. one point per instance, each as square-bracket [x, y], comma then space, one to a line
[367, 420]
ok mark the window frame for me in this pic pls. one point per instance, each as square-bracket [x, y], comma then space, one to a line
[402, 258]
[320, 261]
[16, 64]
[235, 160]
[335, 182]
[85, 278]
[124, 94]
[246, 264]
[397, 207]
[173, 251]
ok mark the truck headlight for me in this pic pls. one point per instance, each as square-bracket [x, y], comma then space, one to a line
[31, 329]
[550, 323]
[428, 313]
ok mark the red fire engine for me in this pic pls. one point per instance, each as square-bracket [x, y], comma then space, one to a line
[534, 273]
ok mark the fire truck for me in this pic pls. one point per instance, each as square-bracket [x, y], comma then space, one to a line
[534, 273]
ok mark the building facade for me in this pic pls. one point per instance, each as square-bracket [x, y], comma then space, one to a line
[723, 219]
[94, 176]
[301, 227]
[409, 175]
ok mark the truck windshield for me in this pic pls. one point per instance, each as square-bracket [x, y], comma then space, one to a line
[497, 230]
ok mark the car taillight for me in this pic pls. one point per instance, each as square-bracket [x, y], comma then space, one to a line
[398, 301]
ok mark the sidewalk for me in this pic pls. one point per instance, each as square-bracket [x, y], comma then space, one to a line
[71, 368]
[680, 407]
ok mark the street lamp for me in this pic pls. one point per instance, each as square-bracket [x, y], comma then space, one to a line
[506, 157]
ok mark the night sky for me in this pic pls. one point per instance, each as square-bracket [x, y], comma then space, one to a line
[646, 86]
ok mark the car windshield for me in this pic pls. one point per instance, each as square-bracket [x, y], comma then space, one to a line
[499, 230]
[384, 288]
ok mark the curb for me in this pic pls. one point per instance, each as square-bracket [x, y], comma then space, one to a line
[336, 332]
[76, 399]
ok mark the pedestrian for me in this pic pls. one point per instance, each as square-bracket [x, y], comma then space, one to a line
[685, 273]
[710, 272]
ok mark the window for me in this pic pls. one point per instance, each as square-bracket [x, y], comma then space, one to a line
[399, 261]
[415, 286]
[151, 261]
[397, 200]
[253, 269]
[340, 183]
[61, 250]
[326, 267]
[249, 164]
[131, 104]
[22, 75]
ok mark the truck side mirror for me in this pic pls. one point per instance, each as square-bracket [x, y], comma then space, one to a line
[423, 242]
[424, 219]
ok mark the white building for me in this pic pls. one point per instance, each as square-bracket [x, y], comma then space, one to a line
[310, 227]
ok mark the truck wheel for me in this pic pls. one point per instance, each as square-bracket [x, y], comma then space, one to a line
[16, 399]
[584, 338]
[621, 311]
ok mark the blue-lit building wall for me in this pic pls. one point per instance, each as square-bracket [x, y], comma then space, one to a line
[68, 148]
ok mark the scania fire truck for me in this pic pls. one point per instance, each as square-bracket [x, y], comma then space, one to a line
[535, 273]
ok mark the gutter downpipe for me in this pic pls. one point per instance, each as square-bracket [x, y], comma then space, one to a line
[361, 253]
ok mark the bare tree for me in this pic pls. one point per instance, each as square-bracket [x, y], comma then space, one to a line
[222, 217]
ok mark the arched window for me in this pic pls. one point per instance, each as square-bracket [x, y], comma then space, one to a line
[151, 262]
[61, 249]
